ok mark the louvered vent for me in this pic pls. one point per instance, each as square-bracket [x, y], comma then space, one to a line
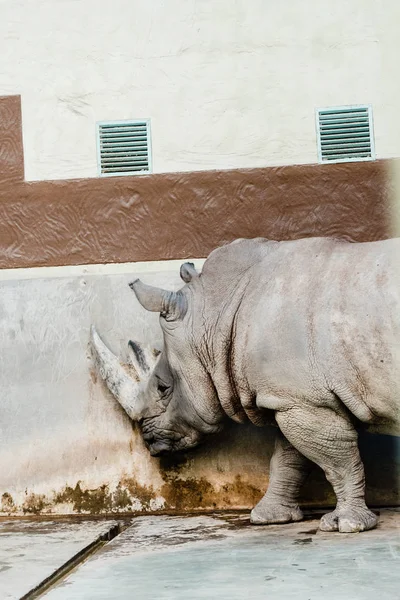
[124, 147]
[345, 134]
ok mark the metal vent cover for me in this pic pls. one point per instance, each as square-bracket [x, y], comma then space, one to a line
[345, 133]
[124, 147]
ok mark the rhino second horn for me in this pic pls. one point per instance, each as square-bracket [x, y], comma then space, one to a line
[123, 388]
[143, 359]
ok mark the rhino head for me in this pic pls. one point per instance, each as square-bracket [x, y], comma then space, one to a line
[173, 399]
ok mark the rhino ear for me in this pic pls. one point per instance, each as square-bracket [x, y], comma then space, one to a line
[188, 272]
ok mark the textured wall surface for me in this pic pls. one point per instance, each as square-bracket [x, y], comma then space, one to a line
[178, 215]
[226, 85]
[65, 444]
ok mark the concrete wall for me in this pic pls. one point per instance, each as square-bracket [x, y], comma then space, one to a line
[65, 444]
[225, 84]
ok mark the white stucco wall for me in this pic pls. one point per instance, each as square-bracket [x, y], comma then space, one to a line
[225, 84]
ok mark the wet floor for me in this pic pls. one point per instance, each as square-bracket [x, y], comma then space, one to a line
[224, 557]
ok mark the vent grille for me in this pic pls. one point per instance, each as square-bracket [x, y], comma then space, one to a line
[345, 134]
[124, 147]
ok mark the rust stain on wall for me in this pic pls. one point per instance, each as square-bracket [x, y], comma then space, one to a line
[177, 215]
[7, 505]
[128, 495]
[177, 495]
[85, 500]
[144, 494]
[35, 504]
[192, 493]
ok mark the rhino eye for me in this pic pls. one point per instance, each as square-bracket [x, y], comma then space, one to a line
[162, 388]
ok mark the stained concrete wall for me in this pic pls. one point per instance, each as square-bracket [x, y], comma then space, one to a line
[65, 444]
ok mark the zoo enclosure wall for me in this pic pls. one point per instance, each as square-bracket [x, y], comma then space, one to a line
[65, 445]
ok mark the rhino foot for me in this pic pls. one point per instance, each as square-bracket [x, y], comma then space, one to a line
[267, 514]
[349, 520]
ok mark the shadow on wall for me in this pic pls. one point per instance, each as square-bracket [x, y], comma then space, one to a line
[380, 454]
[381, 457]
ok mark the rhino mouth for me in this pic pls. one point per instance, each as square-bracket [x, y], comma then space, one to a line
[159, 448]
[160, 442]
[156, 447]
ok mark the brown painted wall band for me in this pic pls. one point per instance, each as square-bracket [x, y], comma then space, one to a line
[177, 215]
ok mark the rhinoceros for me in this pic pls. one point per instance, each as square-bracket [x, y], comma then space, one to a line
[306, 333]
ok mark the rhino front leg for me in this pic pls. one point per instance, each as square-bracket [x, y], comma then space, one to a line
[288, 471]
[328, 438]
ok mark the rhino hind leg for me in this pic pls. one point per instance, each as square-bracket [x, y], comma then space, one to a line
[288, 471]
[329, 439]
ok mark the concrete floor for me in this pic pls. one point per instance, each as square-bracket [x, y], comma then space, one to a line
[30, 551]
[223, 556]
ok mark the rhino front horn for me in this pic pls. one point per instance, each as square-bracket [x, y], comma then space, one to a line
[124, 388]
[171, 305]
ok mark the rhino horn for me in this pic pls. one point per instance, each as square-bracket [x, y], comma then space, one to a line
[171, 305]
[142, 359]
[124, 388]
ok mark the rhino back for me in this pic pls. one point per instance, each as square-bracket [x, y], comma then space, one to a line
[318, 321]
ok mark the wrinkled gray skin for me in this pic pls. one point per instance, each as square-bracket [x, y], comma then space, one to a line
[306, 332]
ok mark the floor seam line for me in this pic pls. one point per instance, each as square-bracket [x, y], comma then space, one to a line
[75, 561]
